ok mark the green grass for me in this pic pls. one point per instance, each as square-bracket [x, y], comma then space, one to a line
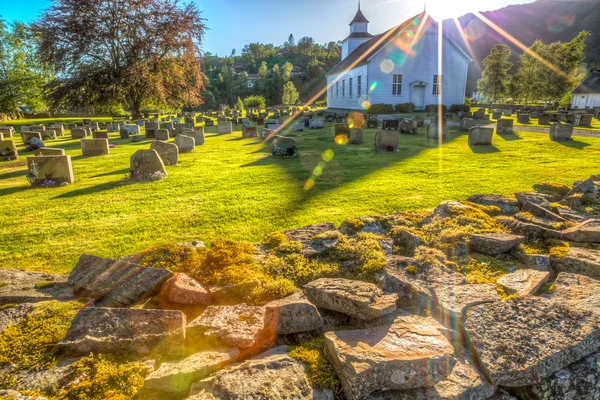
[232, 187]
[533, 123]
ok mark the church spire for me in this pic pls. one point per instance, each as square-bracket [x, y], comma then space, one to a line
[359, 17]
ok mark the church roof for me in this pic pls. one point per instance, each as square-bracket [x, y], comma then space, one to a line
[359, 17]
[591, 84]
[360, 35]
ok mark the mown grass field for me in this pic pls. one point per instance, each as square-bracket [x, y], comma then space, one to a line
[232, 187]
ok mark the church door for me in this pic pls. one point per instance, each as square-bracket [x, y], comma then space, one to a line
[419, 97]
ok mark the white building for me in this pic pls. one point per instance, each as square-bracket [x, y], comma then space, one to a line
[398, 66]
[587, 94]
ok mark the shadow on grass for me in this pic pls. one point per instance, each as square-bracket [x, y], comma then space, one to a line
[574, 144]
[13, 189]
[509, 137]
[13, 174]
[484, 149]
[118, 172]
[89, 190]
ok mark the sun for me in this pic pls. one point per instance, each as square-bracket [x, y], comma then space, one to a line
[444, 9]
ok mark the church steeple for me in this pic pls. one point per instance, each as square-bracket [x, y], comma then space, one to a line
[359, 33]
[359, 17]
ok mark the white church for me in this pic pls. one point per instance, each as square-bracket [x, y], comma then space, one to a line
[398, 66]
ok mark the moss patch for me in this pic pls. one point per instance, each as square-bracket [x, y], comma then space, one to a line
[3, 283]
[482, 269]
[553, 247]
[321, 374]
[300, 270]
[363, 252]
[275, 239]
[556, 188]
[506, 294]
[44, 284]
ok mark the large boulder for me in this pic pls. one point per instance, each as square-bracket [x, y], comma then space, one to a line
[464, 383]
[240, 325]
[293, 314]
[174, 378]
[494, 243]
[32, 287]
[181, 289]
[528, 229]
[578, 261]
[524, 281]
[577, 291]
[124, 331]
[506, 205]
[273, 375]
[542, 212]
[357, 299]
[541, 199]
[453, 302]
[115, 283]
[411, 353]
[522, 341]
[587, 232]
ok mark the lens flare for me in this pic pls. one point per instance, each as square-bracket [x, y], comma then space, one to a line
[309, 184]
[475, 29]
[373, 86]
[366, 104]
[328, 155]
[386, 66]
[318, 171]
[416, 21]
[341, 139]
[558, 23]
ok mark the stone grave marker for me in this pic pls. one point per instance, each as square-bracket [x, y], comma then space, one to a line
[485, 117]
[46, 169]
[93, 125]
[49, 151]
[225, 127]
[408, 125]
[260, 121]
[94, 147]
[267, 133]
[185, 144]
[356, 136]
[316, 123]
[151, 128]
[298, 127]
[27, 136]
[283, 146]
[8, 150]
[372, 124]
[504, 126]
[467, 123]
[79, 133]
[342, 129]
[544, 119]
[480, 136]
[387, 140]
[123, 133]
[391, 123]
[523, 118]
[420, 121]
[136, 138]
[209, 122]
[37, 128]
[133, 129]
[168, 152]
[585, 120]
[100, 135]
[145, 165]
[7, 132]
[197, 134]
[561, 132]
[48, 134]
[433, 131]
[249, 132]
[1, 136]
[507, 112]
[467, 114]
[161, 134]
[141, 123]
[58, 128]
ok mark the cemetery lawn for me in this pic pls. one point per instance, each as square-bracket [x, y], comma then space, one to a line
[231, 187]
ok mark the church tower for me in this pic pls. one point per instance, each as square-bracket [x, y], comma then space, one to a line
[359, 33]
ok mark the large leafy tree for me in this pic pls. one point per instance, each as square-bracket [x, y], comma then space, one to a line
[495, 76]
[22, 76]
[290, 94]
[132, 52]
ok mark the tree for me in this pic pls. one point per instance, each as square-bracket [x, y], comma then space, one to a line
[291, 40]
[290, 94]
[495, 76]
[123, 51]
[22, 76]
[255, 102]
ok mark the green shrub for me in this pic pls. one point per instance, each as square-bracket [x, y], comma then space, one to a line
[184, 259]
[556, 188]
[274, 239]
[460, 108]
[434, 108]
[321, 374]
[101, 378]
[380, 109]
[301, 270]
[405, 107]
[365, 250]
[255, 102]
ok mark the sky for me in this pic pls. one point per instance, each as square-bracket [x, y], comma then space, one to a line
[234, 23]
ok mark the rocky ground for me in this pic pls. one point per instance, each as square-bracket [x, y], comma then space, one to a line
[491, 298]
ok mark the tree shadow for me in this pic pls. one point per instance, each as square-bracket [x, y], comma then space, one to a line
[574, 144]
[89, 190]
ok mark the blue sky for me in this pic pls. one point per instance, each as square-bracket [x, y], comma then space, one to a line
[235, 23]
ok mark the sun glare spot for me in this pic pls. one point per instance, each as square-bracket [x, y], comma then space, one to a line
[309, 184]
[557, 23]
[373, 86]
[328, 155]
[386, 66]
[318, 171]
[366, 104]
[475, 29]
[341, 139]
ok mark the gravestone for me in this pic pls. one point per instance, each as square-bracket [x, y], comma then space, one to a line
[8, 150]
[136, 138]
[1, 136]
[225, 127]
[267, 134]
[485, 117]
[387, 140]
[433, 131]
[535, 115]
[480, 136]
[260, 121]
[37, 128]
[420, 121]
[146, 164]
[170, 127]
[132, 129]
[100, 135]
[141, 123]
[507, 113]
[408, 125]
[478, 115]
[48, 134]
[585, 120]
[197, 134]
[544, 119]
[246, 122]
[7, 131]
[372, 124]
[161, 134]
[58, 128]
[151, 128]
[94, 147]
[298, 127]
[93, 125]
[185, 144]
[523, 118]
[123, 133]
[316, 123]
[467, 123]
[248, 132]
[168, 152]
[342, 129]
[561, 132]
[356, 136]
[79, 133]
[467, 114]
[504, 126]
[27, 136]
[391, 123]
[53, 170]
[283, 146]
[209, 122]
[48, 151]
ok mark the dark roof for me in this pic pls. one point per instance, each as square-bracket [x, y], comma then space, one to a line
[370, 47]
[359, 17]
[360, 35]
[591, 84]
